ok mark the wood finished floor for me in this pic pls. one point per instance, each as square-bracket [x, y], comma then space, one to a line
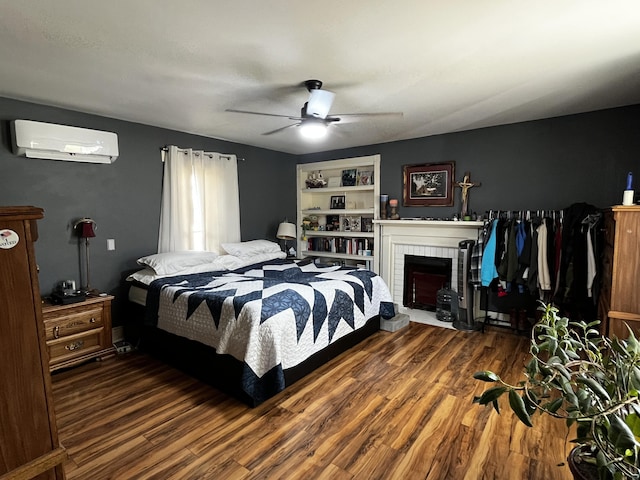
[397, 406]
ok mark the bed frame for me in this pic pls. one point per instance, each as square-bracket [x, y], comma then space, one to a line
[224, 371]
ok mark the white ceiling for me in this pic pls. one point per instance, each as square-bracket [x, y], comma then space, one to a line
[447, 65]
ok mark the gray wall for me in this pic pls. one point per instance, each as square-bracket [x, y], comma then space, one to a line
[124, 197]
[546, 164]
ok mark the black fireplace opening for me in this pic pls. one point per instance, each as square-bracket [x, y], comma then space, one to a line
[423, 277]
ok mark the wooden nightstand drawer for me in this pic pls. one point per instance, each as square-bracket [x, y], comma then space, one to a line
[78, 332]
[79, 320]
[74, 346]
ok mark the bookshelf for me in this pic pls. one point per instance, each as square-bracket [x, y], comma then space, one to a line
[338, 201]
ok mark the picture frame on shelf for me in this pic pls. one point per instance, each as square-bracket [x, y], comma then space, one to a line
[355, 223]
[367, 224]
[337, 202]
[349, 177]
[333, 223]
[428, 185]
[365, 177]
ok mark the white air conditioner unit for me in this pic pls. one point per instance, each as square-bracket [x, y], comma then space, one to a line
[59, 142]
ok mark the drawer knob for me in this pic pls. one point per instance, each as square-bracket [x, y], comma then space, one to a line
[93, 320]
[56, 332]
[75, 345]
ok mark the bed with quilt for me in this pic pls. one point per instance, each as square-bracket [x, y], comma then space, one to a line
[251, 322]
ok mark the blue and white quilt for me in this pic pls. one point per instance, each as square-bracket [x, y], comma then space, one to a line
[270, 316]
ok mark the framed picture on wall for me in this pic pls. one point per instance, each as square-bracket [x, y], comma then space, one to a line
[428, 185]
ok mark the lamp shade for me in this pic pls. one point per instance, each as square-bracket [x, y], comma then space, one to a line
[85, 228]
[286, 231]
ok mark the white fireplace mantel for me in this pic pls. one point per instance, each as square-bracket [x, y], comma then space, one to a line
[429, 238]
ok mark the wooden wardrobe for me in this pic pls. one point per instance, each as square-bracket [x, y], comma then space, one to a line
[29, 446]
[619, 302]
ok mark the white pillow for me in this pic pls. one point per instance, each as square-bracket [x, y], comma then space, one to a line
[174, 262]
[251, 248]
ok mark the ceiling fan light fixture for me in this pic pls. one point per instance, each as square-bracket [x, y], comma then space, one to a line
[319, 103]
[313, 130]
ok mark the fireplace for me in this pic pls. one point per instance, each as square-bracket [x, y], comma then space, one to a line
[421, 238]
[423, 277]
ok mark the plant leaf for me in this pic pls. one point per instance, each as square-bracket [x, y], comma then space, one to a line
[632, 342]
[633, 422]
[517, 405]
[621, 435]
[563, 371]
[553, 406]
[486, 376]
[490, 395]
[594, 386]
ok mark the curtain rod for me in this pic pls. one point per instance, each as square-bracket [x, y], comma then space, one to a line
[210, 154]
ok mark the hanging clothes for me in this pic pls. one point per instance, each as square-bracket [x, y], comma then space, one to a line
[544, 278]
[591, 264]
[572, 293]
[476, 255]
[488, 270]
[523, 245]
[532, 277]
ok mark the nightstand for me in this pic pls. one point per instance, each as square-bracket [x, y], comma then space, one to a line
[78, 332]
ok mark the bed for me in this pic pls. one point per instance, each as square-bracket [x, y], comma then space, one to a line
[251, 322]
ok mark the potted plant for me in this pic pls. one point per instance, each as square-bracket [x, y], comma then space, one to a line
[588, 380]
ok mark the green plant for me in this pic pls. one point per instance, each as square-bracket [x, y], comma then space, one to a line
[587, 379]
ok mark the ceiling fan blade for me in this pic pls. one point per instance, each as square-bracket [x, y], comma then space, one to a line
[379, 114]
[280, 129]
[259, 113]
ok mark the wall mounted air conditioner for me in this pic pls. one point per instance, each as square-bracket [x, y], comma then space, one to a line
[59, 142]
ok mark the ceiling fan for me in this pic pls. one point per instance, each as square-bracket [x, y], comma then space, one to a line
[314, 116]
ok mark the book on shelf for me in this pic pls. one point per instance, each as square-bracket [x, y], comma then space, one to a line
[349, 246]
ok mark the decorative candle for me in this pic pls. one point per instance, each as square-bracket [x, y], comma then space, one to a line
[384, 198]
[393, 202]
[627, 195]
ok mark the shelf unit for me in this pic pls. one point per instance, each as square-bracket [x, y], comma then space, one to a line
[352, 223]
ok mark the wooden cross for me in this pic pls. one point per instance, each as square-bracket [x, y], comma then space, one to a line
[465, 185]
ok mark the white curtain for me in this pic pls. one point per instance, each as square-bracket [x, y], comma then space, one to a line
[200, 201]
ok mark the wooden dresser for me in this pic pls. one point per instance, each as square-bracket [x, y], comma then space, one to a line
[619, 302]
[29, 444]
[78, 332]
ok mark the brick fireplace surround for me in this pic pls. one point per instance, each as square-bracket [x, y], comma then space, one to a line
[427, 238]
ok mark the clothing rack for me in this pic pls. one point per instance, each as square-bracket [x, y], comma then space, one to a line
[525, 214]
[209, 154]
[553, 217]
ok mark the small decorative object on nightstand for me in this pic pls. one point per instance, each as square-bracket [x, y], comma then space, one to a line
[85, 227]
[78, 332]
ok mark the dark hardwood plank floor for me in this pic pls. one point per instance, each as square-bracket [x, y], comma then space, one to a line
[397, 406]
